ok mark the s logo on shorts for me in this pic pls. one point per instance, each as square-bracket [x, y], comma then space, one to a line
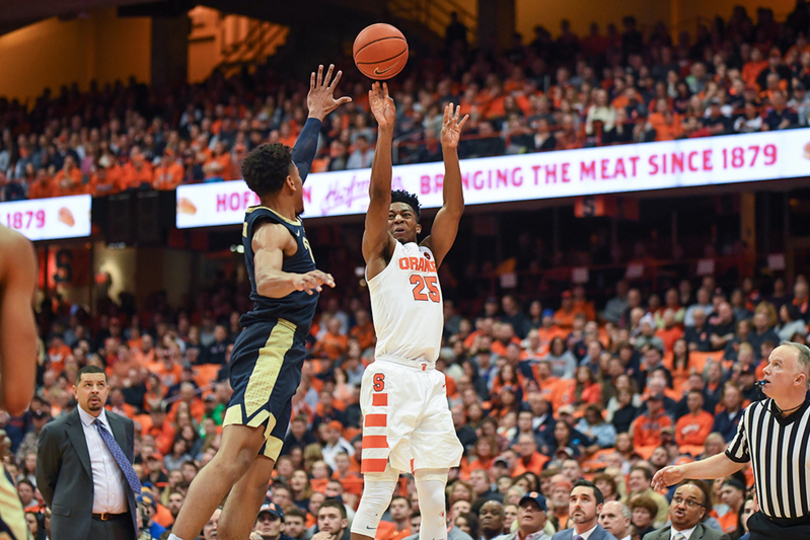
[379, 382]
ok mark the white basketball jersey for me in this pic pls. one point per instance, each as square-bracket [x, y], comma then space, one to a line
[406, 304]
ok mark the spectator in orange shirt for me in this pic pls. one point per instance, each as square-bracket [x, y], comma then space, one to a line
[333, 344]
[169, 174]
[68, 181]
[137, 173]
[753, 67]
[363, 331]
[107, 177]
[529, 459]
[43, 187]
[58, 353]
[352, 482]
[647, 427]
[218, 167]
[400, 510]
[668, 125]
[161, 430]
[168, 367]
[693, 428]
[671, 332]
[564, 317]
[188, 395]
[582, 304]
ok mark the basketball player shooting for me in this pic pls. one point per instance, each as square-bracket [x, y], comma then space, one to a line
[407, 424]
[18, 352]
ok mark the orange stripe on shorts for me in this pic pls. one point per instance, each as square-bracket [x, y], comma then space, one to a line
[379, 400]
[375, 441]
[375, 420]
[373, 465]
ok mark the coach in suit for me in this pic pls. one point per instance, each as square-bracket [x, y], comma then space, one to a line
[84, 467]
[584, 507]
[686, 511]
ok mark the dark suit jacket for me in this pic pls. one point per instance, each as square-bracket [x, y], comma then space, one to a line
[701, 533]
[599, 534]
[64, 475]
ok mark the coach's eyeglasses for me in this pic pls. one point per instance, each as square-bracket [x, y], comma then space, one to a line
[690, 503]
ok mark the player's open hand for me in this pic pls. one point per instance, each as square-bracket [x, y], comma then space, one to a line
[451, 127]
[314, 281]
[667, 476]
[321, 97]
[382, 105]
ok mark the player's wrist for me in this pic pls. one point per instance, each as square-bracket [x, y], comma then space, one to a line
[317, 114]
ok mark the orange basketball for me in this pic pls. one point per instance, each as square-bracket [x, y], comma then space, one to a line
[380, 51]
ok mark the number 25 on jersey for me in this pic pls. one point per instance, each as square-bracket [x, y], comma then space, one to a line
[420, 283]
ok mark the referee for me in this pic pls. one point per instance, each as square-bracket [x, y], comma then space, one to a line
[773, 434]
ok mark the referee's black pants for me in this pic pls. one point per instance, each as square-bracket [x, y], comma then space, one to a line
[763, 528]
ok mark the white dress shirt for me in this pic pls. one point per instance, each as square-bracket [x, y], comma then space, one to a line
[109, 483]
[588, 533]
[687, 533]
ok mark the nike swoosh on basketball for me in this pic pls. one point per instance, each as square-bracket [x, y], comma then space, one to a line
[386, 70]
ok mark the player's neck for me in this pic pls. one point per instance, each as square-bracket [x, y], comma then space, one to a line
[280, 206]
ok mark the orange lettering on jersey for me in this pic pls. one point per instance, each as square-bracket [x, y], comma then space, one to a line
[403, 263]
[413, 262]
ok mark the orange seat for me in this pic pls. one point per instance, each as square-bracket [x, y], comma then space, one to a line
[205, 374]
[698, 359]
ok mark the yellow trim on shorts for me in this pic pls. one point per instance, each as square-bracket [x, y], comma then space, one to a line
[272, 448]
[268, 366]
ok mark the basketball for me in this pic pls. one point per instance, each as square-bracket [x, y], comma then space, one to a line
[380, 51]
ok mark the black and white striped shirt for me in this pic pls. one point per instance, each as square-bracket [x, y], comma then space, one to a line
[778, 449]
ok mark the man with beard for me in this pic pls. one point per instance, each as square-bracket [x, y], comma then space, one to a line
[532, 517]
[686, 513]
[84, 466]
[491, 519]
[584, 507]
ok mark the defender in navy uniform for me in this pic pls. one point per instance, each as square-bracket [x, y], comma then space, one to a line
[267, 356]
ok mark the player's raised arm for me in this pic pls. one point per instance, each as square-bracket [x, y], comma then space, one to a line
[269, 242]
[320, 102]
[377, 241]
[445, 226]
[18, 331]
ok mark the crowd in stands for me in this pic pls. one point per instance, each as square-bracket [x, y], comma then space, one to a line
[734, 76]
[541, 396]
[542, 392]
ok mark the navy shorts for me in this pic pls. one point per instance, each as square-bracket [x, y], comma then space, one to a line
[265, 373]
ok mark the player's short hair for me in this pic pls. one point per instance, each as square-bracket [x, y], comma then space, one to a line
[266, 168]
[90, 369]
[399, 195]
[334, 503]
[294, 511]
[597, 493]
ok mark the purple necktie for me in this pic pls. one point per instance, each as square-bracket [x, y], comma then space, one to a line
[120, 458]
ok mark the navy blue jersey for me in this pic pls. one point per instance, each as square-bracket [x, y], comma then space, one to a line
[298, 307]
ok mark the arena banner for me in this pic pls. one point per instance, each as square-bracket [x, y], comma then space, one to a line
[588, 171]
[49, 219]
